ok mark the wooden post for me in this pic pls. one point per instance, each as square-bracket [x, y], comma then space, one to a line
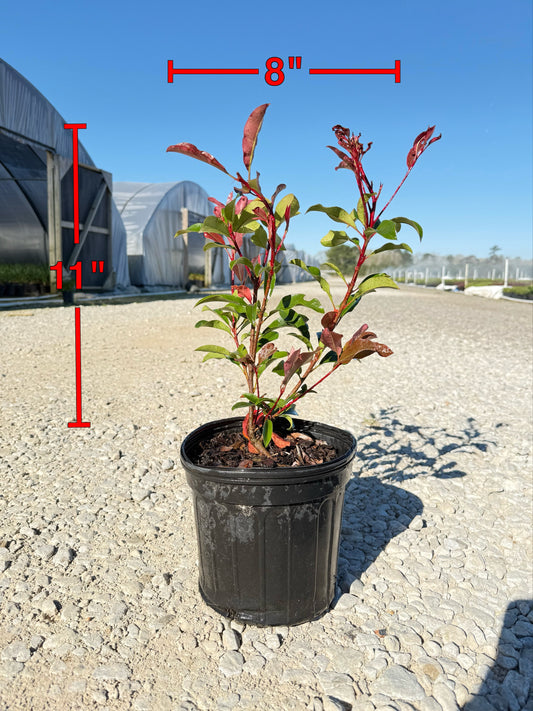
[207, 267]
[466, 275]
[185, 264]
[53, 186]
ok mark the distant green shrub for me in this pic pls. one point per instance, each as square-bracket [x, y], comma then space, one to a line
[519, 292]
[24, 274]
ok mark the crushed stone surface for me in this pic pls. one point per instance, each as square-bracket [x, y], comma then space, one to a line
[99, 604]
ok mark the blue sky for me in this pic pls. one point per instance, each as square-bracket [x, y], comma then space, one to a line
[466, 67]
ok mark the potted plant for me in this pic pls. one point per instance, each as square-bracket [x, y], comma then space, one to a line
[268, 488]
[67, 289]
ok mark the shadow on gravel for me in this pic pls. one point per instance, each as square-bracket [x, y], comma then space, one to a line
[508, 683]
[374, 513]
[398, 451]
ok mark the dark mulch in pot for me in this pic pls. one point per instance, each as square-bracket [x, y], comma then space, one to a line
[231, 450]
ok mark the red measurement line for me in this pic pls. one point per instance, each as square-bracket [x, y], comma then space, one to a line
[78, 422]
[395, 71]
[171, 71]
[74, 127]
[215, 71]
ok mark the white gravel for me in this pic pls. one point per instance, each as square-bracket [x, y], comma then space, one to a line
[99, 605]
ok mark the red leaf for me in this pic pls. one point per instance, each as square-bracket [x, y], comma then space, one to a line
[251, 132]
[294, 362]
[218, 206]
[361, 345]
[261, 214]
[241, 204]
[332, 340]
[245, 425]
[243, 291]
[188, 149]
[215, 237]
[266, 351]
[280, 187]
[346, 161]
[420, 144]
[328, 319]
[279, 441]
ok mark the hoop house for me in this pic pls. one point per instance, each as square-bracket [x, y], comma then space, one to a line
[152, 214]
[37, 196]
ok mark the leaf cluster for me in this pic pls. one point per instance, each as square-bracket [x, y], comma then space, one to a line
[247, 315]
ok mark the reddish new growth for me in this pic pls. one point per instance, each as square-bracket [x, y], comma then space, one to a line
[246, 313]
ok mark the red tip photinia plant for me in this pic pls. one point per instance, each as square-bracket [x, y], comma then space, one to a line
[246, 313]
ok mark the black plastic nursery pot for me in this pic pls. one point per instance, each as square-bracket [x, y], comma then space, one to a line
[268, 539]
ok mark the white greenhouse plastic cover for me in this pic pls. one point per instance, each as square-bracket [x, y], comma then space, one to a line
[30, 127]
[152, 213]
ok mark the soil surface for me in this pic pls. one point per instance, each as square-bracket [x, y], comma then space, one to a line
[232, 450]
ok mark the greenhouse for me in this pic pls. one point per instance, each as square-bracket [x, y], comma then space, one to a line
[37, 192]
[152, 214]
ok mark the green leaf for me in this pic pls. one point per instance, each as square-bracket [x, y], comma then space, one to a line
[361, 209]
[392, 245]
[197, 227]
[260, 237]
[212, 223]
[292, 319]
[209, 244]
[350, 305]
[240, 404]
[229, 211]
[375, 281]
[282, 205]
[214, 349]
[275, 356]
[239, 355]
[209, 356]
[334, 238]
[315, 273]
[213, 324]
[251, 311]
[241, 260]
[288, 418]
[268, 428]
[330, 357]
[406, 221]
[335, 213]
[291, 300]
[229, 298]
[303, 337]
[387, 229]
[267, 337]
[252, 398]
[336, 269]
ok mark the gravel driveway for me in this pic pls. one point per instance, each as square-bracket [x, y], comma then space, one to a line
[99, 607]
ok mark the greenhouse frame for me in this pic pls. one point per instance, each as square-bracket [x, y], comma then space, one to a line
[37, 192]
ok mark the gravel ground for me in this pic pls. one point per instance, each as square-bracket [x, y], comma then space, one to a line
[99, 606]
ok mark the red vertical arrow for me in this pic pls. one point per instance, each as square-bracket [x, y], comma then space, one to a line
[78, 422]
[75, 127]
[77, 330]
